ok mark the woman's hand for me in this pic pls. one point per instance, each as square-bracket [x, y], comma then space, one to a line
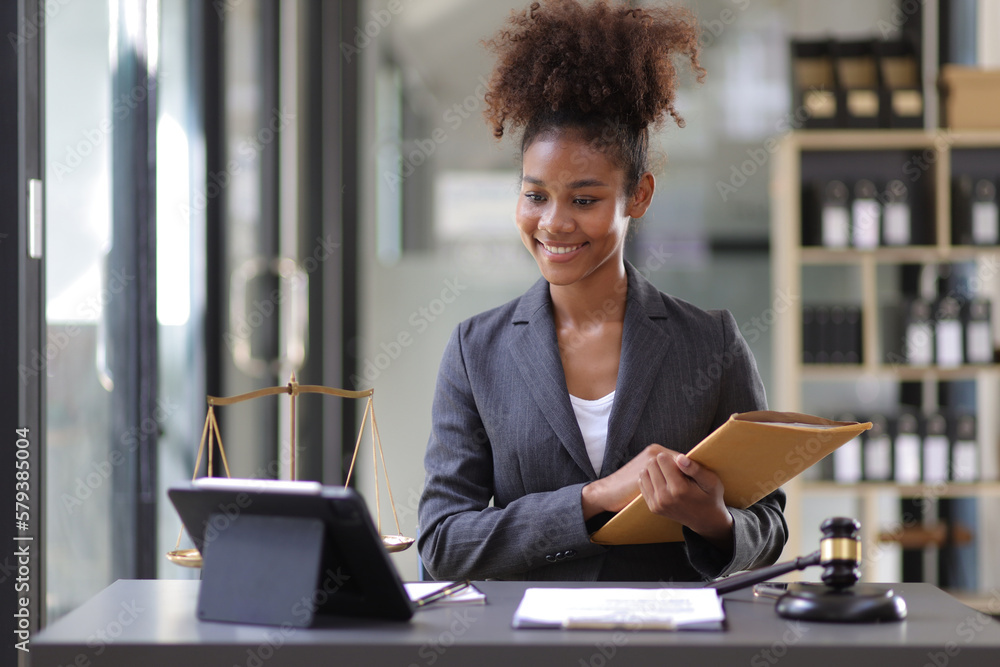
[673, 486]
[614, 492]
[676, 487]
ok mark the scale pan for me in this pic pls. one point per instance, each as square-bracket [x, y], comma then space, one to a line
[394, 543]
[185, 557]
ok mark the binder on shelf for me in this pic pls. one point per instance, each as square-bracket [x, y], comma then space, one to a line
[812, 206]
[936, 449]
[814, 83]
[907, 449]
[858, 79]
[866, 215]
[837, 334]
[823, 343]
[985, 216]
[961, 209]
[810, 336]
[964, 450]
[877, 450]
[918, 333]
[753, 453]
[847, 463]
[948, 345]
[835, 215]
[897, 225]
[892, 332]
[853, 335]
[976, 321]
[902, 99]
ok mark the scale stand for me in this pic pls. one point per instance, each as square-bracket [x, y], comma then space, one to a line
[210, 433]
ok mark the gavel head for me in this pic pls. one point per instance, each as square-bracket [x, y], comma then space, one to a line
[840, 552]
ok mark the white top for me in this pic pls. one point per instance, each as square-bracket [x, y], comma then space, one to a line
[593, 419]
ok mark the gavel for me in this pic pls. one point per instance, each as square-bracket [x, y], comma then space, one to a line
[839, 553]
[837, 600]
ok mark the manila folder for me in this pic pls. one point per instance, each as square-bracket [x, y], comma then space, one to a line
[753, 453]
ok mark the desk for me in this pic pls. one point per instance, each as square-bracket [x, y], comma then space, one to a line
[152, 623]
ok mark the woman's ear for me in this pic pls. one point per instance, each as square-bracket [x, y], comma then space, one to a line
[642, 197]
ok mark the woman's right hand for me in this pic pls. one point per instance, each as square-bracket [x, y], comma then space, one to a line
[614, 492]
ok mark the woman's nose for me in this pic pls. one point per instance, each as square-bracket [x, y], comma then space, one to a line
[556, 219]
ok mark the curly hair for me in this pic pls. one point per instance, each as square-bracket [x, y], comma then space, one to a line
[605, 69]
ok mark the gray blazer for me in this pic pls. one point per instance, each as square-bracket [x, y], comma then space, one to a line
[504, 431]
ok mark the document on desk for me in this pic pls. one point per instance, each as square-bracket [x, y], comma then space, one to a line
[469, 595]
[620, 609]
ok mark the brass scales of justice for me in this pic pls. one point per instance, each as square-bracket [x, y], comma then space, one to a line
[210, 433]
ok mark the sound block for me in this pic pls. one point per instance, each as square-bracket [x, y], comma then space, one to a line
[864, 603]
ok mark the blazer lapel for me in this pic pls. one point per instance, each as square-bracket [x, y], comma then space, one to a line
[644, 344]
[536, 351]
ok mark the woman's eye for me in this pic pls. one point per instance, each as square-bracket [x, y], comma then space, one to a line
[584, 202]
[534, 198]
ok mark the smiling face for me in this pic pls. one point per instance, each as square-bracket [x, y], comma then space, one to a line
[573, 212]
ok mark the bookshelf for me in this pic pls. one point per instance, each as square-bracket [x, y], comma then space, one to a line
[938, 155]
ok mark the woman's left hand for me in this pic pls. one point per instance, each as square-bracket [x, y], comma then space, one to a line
[676, 487]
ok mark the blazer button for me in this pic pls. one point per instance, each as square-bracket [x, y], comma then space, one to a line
[570, 553]
[550, 558]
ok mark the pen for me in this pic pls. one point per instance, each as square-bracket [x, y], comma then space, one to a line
[442, 593]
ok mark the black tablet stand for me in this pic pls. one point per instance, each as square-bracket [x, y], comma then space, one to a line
[264, 570]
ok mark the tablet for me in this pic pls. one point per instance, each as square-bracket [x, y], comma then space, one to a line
[287, 552]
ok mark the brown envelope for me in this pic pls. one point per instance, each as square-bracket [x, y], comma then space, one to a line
[753, 454]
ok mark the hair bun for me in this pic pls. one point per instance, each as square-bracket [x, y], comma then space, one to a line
[601, 60]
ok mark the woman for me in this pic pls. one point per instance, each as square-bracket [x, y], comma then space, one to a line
[556, 409]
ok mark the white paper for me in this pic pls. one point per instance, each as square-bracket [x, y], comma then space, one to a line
[418, 589]
[819, 427]
[618, 608]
